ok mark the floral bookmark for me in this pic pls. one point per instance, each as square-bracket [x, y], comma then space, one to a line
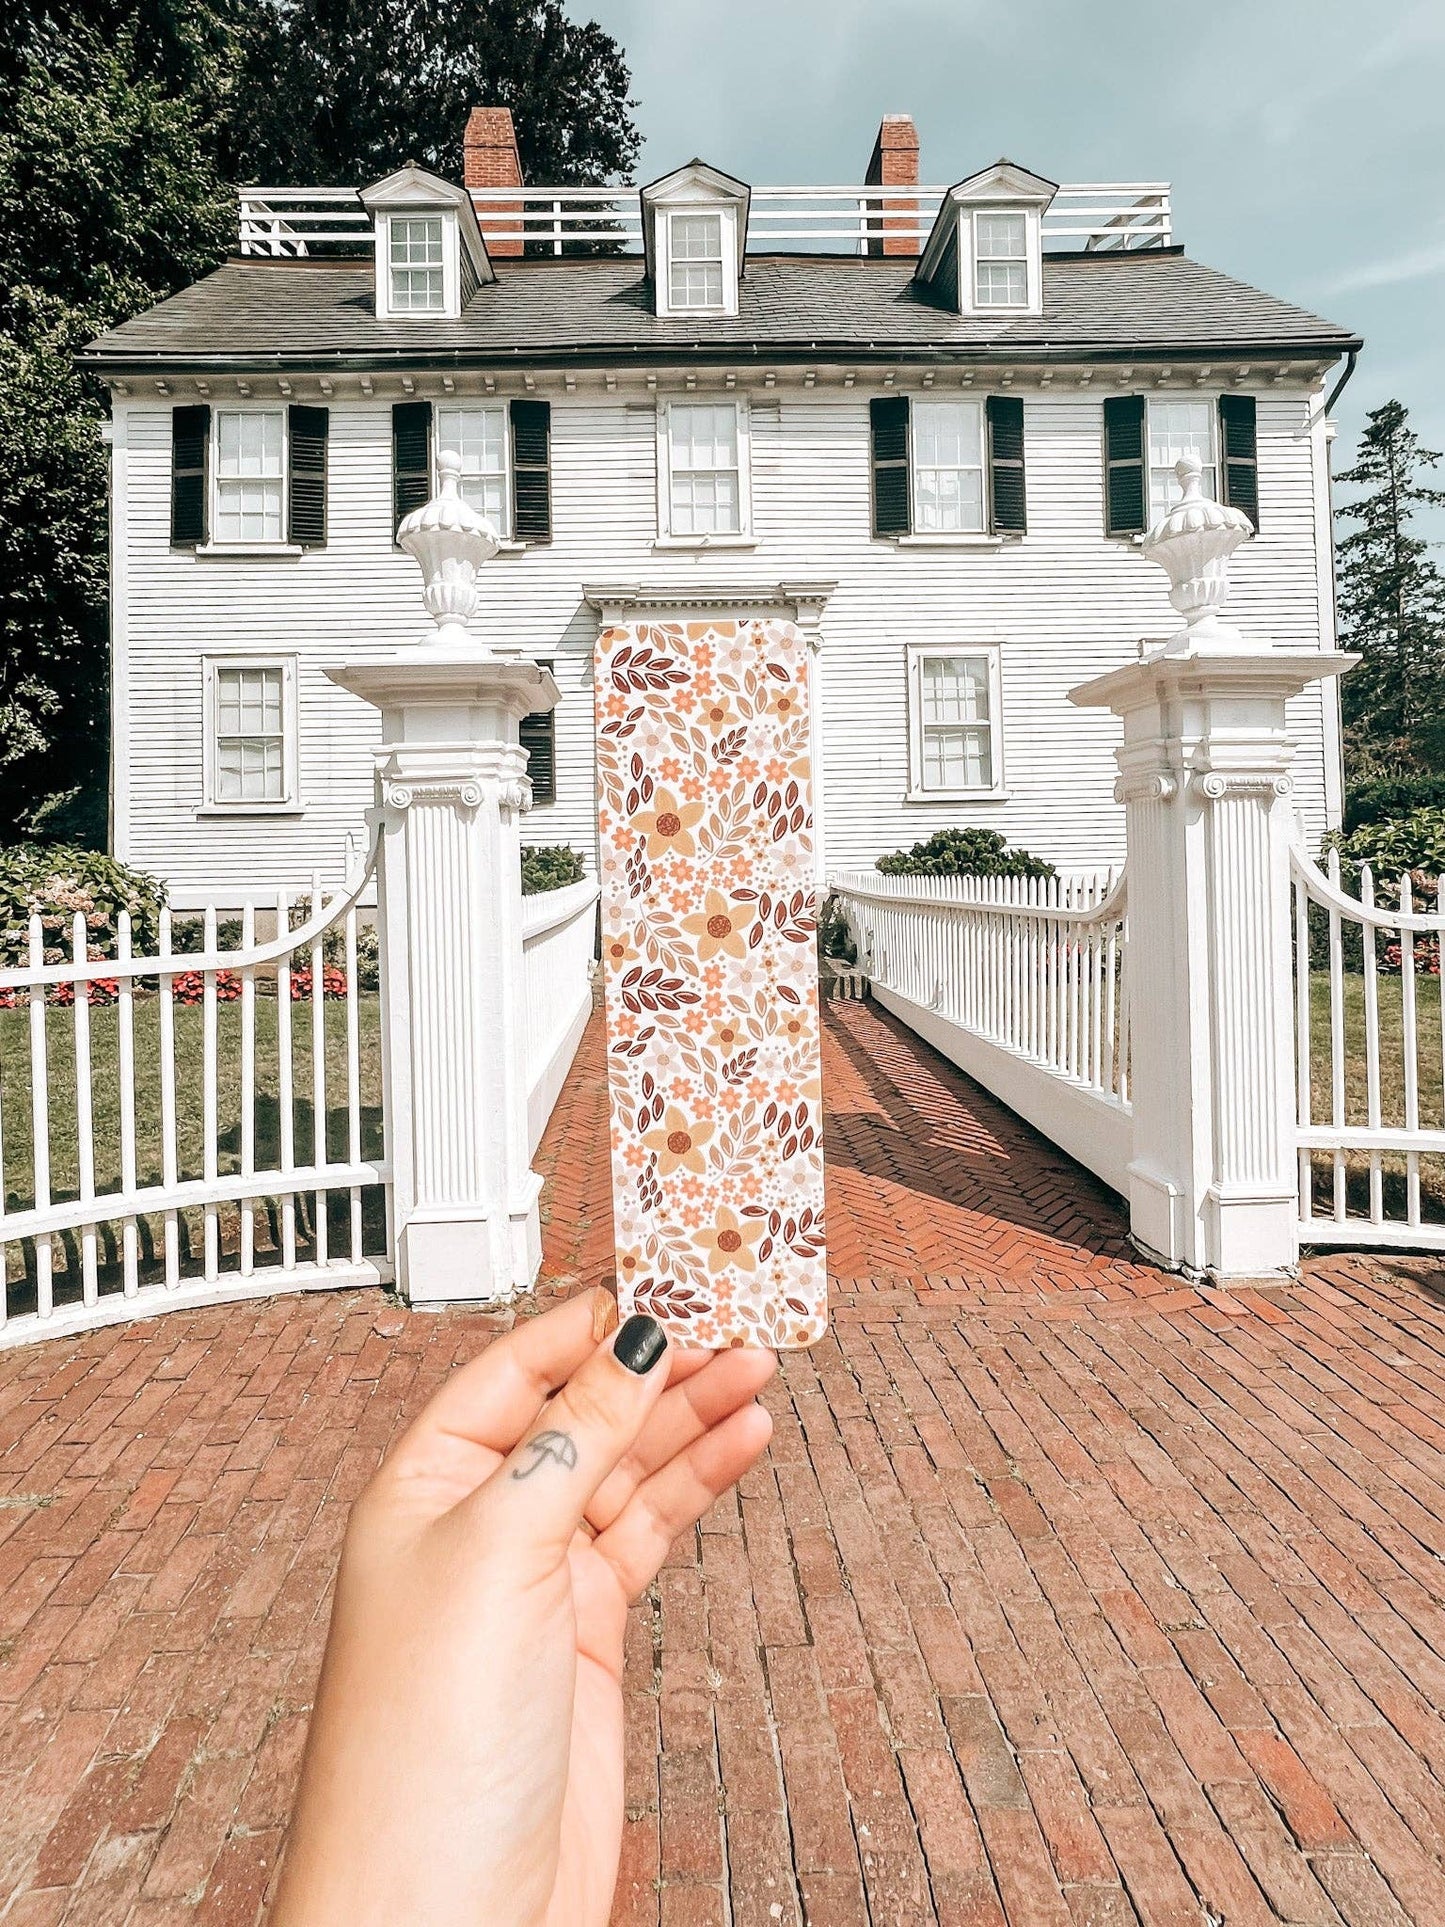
[710, 966]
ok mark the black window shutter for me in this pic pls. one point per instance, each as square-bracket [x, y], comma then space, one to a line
[1008, 502]
[307, 430]
[410, 457]
[190, 437]
[1126, 495]
[538, 736]
[892, 507]
[532, 471]
[1239, 452]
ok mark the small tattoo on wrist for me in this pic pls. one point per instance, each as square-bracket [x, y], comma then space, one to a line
[558, 1448]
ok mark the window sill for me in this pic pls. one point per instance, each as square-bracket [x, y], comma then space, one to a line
[219, 550]
[705, 542]
[957, 796]
[250, 809]
[951, 539]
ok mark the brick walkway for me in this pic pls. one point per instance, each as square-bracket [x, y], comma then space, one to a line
[1064, 1596]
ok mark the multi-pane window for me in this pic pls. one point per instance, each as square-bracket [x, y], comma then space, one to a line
[695, 263]
[948, 465]
[955, 744]
[250, 475]
[704, 478]
[1176, 429]
[479, 436]
[416, 264]
[249, 744]
[1001, 268]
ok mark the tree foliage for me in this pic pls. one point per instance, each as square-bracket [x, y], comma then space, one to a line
[346, 90]
[1392, 603]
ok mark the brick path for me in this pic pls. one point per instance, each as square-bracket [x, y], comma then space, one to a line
[1065, 1596]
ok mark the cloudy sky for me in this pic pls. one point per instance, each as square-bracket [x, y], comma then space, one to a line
[1305, 139]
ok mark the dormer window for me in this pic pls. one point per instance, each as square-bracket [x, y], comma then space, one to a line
[695, 264]
[694, 234]
[985, 252]
[1001, 258]
[430, 255]
[417, 268]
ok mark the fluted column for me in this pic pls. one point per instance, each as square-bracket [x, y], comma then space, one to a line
[452, 783]
[1205, 780]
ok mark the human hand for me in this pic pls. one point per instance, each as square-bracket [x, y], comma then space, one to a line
[464, 1763]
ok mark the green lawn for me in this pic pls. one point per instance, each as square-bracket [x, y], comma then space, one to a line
[17, 1146]
[1392, 1088]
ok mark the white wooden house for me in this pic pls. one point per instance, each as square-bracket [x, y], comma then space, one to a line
[932, 422]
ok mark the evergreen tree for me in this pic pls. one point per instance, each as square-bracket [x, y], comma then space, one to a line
[345, 90]
[1392, 602]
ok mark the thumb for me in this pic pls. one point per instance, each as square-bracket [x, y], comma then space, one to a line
[537, 1497]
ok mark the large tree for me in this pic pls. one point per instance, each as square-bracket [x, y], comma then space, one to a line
[1392, 602]
[108, 199]
[346, 90]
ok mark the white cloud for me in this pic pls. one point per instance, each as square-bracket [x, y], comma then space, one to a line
[1410, 264]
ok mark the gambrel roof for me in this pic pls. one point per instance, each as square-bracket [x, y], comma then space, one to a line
[252, 316]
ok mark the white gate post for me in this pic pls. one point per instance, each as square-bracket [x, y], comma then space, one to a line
[451, 777]
[1206, 784]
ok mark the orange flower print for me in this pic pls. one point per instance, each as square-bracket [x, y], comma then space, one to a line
[720, 926]
[678, 1142]
[730, 1240]
[668, 825]
[711, 710]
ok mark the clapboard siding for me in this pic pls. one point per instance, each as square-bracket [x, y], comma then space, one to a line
[1063, 602]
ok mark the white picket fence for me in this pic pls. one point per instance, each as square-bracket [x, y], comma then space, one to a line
[558, 932]
[175, 1127]
[195, 1126]
[1018, 980]
[1370, 1062]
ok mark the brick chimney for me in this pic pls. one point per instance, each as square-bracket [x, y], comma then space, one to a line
[894, 163]
[490, 159]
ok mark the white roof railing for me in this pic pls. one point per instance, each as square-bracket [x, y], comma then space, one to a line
[568, 220]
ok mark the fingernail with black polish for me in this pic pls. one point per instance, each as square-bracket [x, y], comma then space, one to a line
[639, 1344]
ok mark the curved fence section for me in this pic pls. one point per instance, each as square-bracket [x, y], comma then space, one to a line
[1369, 1058]
[558, 945]
[1021, 982]
[199, 1123]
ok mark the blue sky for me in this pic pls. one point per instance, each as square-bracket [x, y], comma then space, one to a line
[1304, 138]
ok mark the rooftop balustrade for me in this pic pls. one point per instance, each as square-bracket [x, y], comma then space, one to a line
[1092, 216]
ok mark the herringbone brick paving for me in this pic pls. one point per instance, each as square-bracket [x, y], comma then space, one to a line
[1066, 1596]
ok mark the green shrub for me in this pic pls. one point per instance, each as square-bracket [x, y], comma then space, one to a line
[964, 853]
[1385, 797]
[58, 880]
[834, 937]
[1413, 843]
[549, 866]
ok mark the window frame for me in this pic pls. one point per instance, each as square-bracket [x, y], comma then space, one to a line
[1213, 466]
[968, 260]
[1019, 214]
[917, 531]
[386, 309]
[451, 405]
[919, 791]
[213, 804]
[742, 536]
[215, 542]
[727, 217]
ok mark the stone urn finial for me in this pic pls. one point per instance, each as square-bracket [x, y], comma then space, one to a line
[1193, 543]
[450, 542]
